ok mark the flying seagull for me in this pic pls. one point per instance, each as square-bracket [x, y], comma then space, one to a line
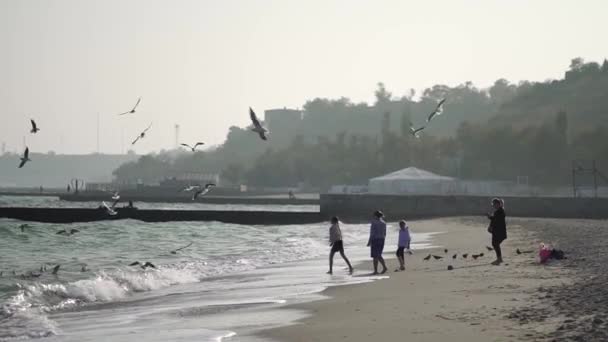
[202, 191]
[427, 257]
[56, 269]
[489, 248]
[115, 198]
[445, 251]
[144, 265]
[465, 255]
[68, 233]
[141, 135]
[35, 128]
[179, 249]
[438, 111]
[437, 257]
[109, 210]
[132, 110]
[190, 188]
[195, 146]
[25, 158]
[257, 126]
[415, 132]
[454, 256]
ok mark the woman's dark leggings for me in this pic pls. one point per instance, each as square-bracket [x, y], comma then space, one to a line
[496, 245]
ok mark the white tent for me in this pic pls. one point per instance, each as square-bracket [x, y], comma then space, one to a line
[412, 181]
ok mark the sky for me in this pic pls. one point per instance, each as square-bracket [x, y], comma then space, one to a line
[201, 64]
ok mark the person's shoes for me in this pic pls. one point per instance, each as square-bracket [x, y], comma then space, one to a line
[402, 268]
[496, 262]
[384, 271]
[351, 270]
[329, 272]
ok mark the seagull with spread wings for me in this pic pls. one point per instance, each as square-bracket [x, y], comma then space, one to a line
[438, 111]
[141, 135]
[202, 191]
[134, 107]
[25, 158]
[193, 148]
[262, 131]
[416, 131]
[35, 128]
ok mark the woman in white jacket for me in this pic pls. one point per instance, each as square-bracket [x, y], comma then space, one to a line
[335, 241]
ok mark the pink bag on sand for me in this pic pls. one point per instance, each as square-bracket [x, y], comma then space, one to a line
[544, 253]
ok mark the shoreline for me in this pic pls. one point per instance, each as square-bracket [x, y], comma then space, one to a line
[474, 302]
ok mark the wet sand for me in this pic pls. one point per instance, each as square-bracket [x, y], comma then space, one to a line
[519, 300]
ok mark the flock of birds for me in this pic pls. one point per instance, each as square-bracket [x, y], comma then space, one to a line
[438, 111]
[466, 255]
[258, 128]
[55, 270]
[197, 190]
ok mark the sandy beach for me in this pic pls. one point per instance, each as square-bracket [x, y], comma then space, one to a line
[519, 300]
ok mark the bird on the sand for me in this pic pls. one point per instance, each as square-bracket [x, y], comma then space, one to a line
[193, 148]
[25, 158]
[415, 132]
[142, 265]
[475, 256]
[262, 131]
[56, 269]
[518, 251]
[132, 110]
[35, 128]
[141, 135]
[438, 111]
[179, 249]
[109, 210]
[454, 256]
[480, 255]
[68, 233]
[465, 255]
[202, 191]
[428, 257]
[437, 257]
[450, 267]
[489, 248]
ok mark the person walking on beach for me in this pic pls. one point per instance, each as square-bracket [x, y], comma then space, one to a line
[403, 244]
[377, 234]
[498, 228]
[335, 241]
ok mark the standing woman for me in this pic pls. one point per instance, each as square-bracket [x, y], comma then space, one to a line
[498, 228]
[377, 234]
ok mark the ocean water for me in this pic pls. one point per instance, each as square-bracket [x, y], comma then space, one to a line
[232, 279]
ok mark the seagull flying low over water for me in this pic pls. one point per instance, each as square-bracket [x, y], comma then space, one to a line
[202, 191]
[132, 110]
[438, 111]
[25, 158]
[142, 265]
[416, 131]
[179, 249]
[141, 135]
[109, 210]
[257, 126]
[35, 128]
[68, 233]
[193, 148]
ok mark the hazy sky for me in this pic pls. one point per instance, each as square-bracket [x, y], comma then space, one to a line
[200, 64]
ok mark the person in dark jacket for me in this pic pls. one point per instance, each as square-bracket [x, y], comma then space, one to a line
[498, 228]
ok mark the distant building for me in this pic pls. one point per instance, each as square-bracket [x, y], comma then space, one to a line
[282, 119]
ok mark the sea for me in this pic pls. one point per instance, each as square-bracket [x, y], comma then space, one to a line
[227, 283]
